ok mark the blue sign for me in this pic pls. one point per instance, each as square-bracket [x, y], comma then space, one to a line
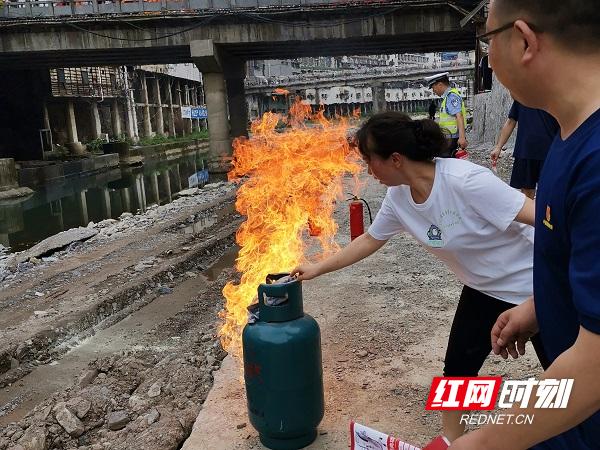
[199, 112]
[449, 56]
[199, 178]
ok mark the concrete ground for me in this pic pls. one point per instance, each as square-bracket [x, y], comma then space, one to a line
[384, 325]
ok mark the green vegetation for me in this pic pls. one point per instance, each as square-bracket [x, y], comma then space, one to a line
[197, 133]
[95, 146]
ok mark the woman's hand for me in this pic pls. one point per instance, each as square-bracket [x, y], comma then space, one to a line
[495, 154]
[306, 272]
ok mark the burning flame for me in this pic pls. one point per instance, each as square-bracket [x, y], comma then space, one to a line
[280, 91]
[292, 179]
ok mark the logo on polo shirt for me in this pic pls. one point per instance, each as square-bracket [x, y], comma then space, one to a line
[435, 236]
[547, 220]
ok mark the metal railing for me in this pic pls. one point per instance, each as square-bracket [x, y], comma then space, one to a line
[12, 9]
[60, 8]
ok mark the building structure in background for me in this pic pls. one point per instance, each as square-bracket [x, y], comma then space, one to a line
[343, 99]
[75, 106]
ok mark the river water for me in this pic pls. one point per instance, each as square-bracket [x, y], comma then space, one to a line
[76, 201]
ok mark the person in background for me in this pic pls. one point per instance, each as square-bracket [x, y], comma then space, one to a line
[453, 114]
[535, 134]
[461, 213]
[547, 53]
[432, 110]
[486, 74]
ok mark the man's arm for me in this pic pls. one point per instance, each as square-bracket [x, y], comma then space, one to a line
[580, 362]
[527, 213]
[507, 130]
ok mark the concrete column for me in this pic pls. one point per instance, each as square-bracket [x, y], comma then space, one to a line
[218, 122]
[83, 209]
[115, 115]
[171, 115]
[378, 93]
[206, 56]
[95, 118]
[179, 101]
[132, 125]
[154, 183]
[160, 122]
[146, 107]
[71, 123]
[187, 123]
[8, 174]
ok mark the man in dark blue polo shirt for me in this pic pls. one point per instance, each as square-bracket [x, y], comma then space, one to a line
[535, 134]
[547, 53]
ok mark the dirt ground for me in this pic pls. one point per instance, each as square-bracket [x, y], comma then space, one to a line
[139, 365]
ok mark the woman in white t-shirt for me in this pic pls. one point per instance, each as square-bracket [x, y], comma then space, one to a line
[460, 212]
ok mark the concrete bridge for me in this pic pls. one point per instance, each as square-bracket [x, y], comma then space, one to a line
[220, 40]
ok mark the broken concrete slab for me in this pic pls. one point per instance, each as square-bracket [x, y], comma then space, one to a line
[16, 192]
[188, 192]
[52, 244]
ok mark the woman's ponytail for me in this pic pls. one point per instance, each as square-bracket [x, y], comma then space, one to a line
[395, 132]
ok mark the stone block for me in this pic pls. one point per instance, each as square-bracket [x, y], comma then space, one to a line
[72, 167]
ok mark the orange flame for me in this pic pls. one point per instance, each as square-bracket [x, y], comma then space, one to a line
[291, 180]
[281, 91]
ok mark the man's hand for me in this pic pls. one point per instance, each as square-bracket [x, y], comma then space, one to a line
[306, 272]
[513, 328]
[463, 143]
[495, 154]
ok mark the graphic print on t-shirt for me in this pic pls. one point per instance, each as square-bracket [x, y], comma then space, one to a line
[435, 236]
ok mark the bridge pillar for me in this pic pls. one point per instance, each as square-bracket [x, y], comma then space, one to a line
[223, 80]
[71, 122]
[145, 107]
[171, 117]
[160, 121]
[115, 115]
[378, 95]
[95, 117]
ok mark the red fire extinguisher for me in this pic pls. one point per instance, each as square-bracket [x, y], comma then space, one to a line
[357, 226]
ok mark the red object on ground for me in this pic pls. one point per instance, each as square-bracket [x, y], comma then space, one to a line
[313, 230]
[439, 443]
[357, 226]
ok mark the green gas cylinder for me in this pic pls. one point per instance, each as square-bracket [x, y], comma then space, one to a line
[282, 368]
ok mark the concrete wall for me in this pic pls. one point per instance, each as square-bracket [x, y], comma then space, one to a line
[490, 111]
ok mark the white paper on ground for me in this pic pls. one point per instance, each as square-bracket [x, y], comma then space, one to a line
[365, 438]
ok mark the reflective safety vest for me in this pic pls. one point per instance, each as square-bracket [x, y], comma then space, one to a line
[448, 122]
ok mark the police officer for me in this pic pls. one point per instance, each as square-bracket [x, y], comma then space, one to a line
[453, 114]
